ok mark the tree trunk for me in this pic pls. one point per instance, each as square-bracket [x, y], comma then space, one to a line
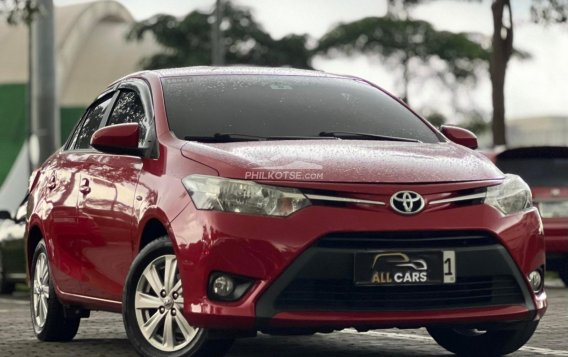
[500, 55]
[405, 78]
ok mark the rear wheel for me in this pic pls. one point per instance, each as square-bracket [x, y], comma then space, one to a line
[153, 308]
[48, 317]
[492, 342]
[6, 287]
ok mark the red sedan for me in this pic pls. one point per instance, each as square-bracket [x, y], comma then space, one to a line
[206, 204]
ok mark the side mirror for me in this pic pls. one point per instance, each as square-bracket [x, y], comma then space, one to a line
[118, 139]
[460, 136]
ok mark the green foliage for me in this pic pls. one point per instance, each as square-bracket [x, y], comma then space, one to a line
[476, 123]
[187, 41]
[437, 119]
[402, 40]
[18, 11]
[549, 11]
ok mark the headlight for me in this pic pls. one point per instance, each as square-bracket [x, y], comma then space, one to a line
[240, 196]
[513, 195]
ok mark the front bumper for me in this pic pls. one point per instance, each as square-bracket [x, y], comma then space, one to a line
[273, 251]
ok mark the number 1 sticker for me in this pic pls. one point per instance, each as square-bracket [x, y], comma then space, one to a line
[449, 266]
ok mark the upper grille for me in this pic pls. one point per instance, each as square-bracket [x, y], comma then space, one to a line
[384, 240]
[343, 295]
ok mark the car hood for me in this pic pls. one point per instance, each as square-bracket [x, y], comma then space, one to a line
[343, 161]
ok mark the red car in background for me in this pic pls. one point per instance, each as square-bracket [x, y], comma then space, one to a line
[206, 204]
[545, 169]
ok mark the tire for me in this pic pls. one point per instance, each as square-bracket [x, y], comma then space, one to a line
[563, 271]
[48, 317]
[6, 287]
[144, 305]
[489, 343]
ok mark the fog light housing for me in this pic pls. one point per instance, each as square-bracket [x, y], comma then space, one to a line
[227, 287]
[536, 280]
[223, 286]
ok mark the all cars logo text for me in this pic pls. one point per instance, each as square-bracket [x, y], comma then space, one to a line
[396, 268]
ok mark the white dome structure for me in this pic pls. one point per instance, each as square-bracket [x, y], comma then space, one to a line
[92, 50]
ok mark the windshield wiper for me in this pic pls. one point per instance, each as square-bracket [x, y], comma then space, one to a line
[354, 135]
[229, 137]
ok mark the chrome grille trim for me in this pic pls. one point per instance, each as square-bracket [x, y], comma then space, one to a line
[380, 203]
[343, 199]
[459, 198]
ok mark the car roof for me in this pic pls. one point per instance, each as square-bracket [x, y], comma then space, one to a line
[231, 70]
[248, 70]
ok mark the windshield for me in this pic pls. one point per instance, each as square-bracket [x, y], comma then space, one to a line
[285, 106]
[537, 171]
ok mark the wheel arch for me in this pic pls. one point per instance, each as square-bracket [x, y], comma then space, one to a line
[35, 235]
[155, 225]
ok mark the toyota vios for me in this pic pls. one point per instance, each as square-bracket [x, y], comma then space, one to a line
[206, 204]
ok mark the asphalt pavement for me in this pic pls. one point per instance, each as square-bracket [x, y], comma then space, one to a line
[103, 335]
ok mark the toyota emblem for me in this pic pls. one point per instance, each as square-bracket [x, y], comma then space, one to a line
[407, 202]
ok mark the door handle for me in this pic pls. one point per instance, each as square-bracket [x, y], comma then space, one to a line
[51, 184]
[84, 188]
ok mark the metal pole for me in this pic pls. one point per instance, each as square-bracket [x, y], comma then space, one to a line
[217, 43]
[44, 106]
[31, 164]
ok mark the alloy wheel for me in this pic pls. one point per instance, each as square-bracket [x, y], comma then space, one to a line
[158, 303]
[40, 290]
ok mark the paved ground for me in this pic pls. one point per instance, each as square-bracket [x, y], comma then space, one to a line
[103, 335]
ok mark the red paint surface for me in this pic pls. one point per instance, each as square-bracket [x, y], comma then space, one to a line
[93, 235]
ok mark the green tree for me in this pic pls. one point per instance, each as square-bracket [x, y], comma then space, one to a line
[542, 11]
[187, 41]
[436, 118]
[408, 46]
[476, 122]
[16, 11]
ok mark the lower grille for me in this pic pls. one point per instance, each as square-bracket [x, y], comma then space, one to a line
[313, 295]
[322, 278]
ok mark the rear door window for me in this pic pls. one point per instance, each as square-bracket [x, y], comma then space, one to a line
[91, 123]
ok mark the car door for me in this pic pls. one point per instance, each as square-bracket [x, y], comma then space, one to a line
[105, 205]
[61, 191]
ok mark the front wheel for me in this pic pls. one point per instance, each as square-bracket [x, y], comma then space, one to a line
[153, 308]
[48, 317]
[491, 342]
